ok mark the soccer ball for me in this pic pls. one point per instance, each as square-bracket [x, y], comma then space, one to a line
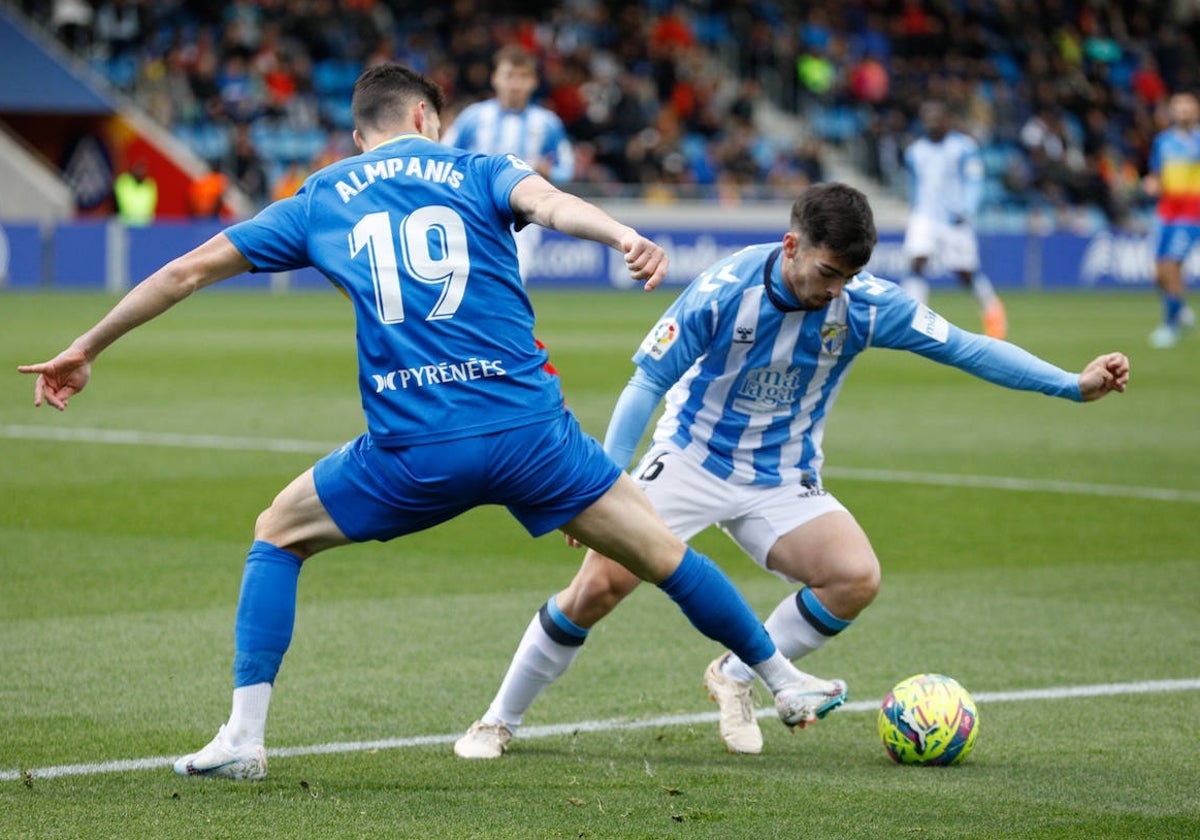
[928, 720]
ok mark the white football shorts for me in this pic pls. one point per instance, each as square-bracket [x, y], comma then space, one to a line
[689, 499]
[954, 246]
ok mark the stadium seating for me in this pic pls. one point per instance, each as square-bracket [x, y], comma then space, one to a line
[1003, 67]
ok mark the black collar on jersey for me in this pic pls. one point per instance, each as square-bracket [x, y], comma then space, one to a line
[776, 299]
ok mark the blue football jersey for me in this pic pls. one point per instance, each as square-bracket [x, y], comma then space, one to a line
[417, 234]
[752, 379]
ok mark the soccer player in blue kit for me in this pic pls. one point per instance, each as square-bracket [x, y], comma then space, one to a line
[750, 358]
[460, 409]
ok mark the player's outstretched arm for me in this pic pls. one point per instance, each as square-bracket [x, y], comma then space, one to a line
[67, 373]
[1103, 375]
[537, 200]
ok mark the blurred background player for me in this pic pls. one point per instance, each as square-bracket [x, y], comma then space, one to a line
[1174, 176]
[751, 358]
[946, 190]
[509, 123]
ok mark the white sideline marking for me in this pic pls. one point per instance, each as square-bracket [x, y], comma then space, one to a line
[132, 437]
[1028, 485]
[609, 725]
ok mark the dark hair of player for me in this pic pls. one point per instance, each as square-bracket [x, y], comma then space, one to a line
[836, 216]
[516, 56]
[384, 93]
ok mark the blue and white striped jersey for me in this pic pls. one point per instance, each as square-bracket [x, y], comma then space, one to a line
[750, 381]
[946, 177]
[532, 134]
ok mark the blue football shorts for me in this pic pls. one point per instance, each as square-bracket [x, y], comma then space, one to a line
[1173, 241]
[545, 474]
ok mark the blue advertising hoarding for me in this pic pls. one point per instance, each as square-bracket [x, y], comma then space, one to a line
[21, 257]
[76, 255]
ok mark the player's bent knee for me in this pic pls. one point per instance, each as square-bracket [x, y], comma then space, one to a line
[596, 591]
[597, 598]
[303, 538]
[264, 529]
[861, 585]
[852, 590]
[865, 586]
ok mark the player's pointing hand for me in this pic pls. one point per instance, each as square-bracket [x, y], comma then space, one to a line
[60, 378]
[1104, 374]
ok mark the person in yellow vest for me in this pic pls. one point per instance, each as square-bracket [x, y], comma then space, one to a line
[137, 195]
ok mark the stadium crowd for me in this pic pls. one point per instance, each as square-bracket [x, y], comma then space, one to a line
[663, 99]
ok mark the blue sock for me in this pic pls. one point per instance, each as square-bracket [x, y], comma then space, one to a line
[266, 614]
[560, 628]
[1172, 306]
[814, 612]
[717, 609]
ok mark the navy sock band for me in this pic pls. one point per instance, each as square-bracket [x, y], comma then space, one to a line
[814, 612]
[560, 628]
[266, 613]
[717, 609]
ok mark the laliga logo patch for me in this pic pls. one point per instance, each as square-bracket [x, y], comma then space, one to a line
[833, 337]
[660, 339]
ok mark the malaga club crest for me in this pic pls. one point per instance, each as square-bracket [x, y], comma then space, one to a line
[833, 337]
[660, 339]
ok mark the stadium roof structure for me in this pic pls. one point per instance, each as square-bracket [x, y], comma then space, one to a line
[32, 80]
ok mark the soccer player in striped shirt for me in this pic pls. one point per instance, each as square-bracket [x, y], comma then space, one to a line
[1174, 176]
[946, 189]
[750, 358]
[510, 123]
[460, 409]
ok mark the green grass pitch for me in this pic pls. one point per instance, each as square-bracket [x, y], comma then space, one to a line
[1027, 543]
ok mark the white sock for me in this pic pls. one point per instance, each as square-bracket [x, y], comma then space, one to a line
[539, 661]
[248, 719]
[778, 672]
[983, 290]
[792, 634]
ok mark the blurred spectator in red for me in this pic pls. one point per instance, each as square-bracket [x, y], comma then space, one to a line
[566, 79]
[673, 31]
[869, 81]
[1147, 82]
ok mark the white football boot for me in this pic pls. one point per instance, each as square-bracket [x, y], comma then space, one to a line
[1164, 336]
[735, 698]
[223, 759]
[483, 740]
[804, 702]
